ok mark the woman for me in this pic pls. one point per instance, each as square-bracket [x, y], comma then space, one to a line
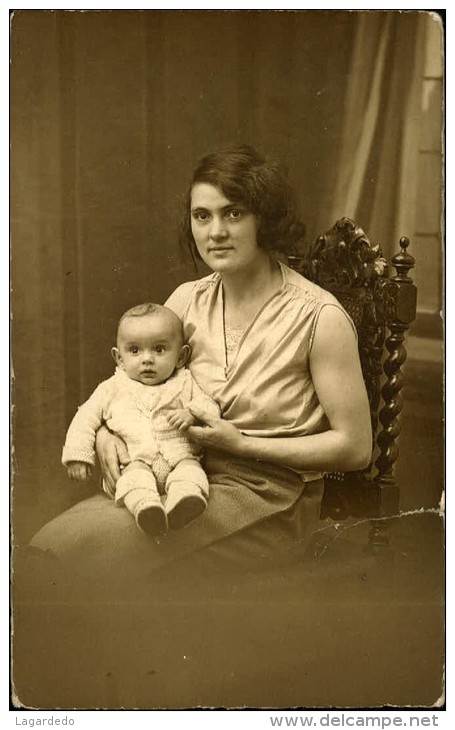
[279, 355]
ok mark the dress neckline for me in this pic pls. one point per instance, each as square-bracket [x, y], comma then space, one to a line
[231, 352]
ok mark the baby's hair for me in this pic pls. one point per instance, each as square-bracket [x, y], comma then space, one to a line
[150, 308]
[140, 310]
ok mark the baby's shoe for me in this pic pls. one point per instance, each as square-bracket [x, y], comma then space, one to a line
[150, 517]
[184, 503]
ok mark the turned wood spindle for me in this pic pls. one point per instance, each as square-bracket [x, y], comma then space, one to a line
[402, 310]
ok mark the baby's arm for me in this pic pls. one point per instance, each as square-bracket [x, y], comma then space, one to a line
[195, 401]
[79, 449]
[192, 395]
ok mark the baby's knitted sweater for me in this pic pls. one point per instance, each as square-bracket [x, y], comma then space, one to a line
[137, 413]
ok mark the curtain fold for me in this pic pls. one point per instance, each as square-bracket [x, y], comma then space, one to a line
[376, 175]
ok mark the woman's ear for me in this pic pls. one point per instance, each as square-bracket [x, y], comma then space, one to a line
[185, 354]
[117, 356]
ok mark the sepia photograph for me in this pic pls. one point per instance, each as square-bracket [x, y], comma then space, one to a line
[227, 359]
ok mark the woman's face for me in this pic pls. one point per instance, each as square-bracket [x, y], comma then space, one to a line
[225, 233]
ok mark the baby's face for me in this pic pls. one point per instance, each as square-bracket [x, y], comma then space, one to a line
[149, 348]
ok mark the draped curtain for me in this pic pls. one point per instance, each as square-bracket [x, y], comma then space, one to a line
[377, 164]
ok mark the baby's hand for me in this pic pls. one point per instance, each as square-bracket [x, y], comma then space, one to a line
[181, 418]
[79, 471]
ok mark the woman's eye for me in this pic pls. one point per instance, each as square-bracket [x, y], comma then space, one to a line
[201, 216]
[234, 214]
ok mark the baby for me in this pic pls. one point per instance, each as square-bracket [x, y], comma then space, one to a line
[146, 402]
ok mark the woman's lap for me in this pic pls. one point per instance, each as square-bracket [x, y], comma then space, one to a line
[254, 511]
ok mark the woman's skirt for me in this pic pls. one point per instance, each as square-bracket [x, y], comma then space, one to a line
[256, 512]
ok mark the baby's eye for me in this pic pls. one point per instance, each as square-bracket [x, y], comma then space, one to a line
[160, 349]
[134, 349]
[234, 214]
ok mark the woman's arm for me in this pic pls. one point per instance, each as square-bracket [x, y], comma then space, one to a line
[338, 380]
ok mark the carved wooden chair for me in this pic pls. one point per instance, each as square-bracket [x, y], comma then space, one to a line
[344, 262]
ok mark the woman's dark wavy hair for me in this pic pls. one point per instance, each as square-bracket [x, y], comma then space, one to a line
[244, 176]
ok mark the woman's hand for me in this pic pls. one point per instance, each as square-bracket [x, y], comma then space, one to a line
[112, 454]
[215, 432]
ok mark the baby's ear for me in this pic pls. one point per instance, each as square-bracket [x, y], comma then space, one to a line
[117, 356]
[184, 357]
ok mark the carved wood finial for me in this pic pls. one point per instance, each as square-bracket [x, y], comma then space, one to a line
[403, 262]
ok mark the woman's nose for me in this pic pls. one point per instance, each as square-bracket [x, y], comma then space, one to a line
[218, 229]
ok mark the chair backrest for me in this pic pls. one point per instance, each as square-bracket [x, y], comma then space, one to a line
[382, 306]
